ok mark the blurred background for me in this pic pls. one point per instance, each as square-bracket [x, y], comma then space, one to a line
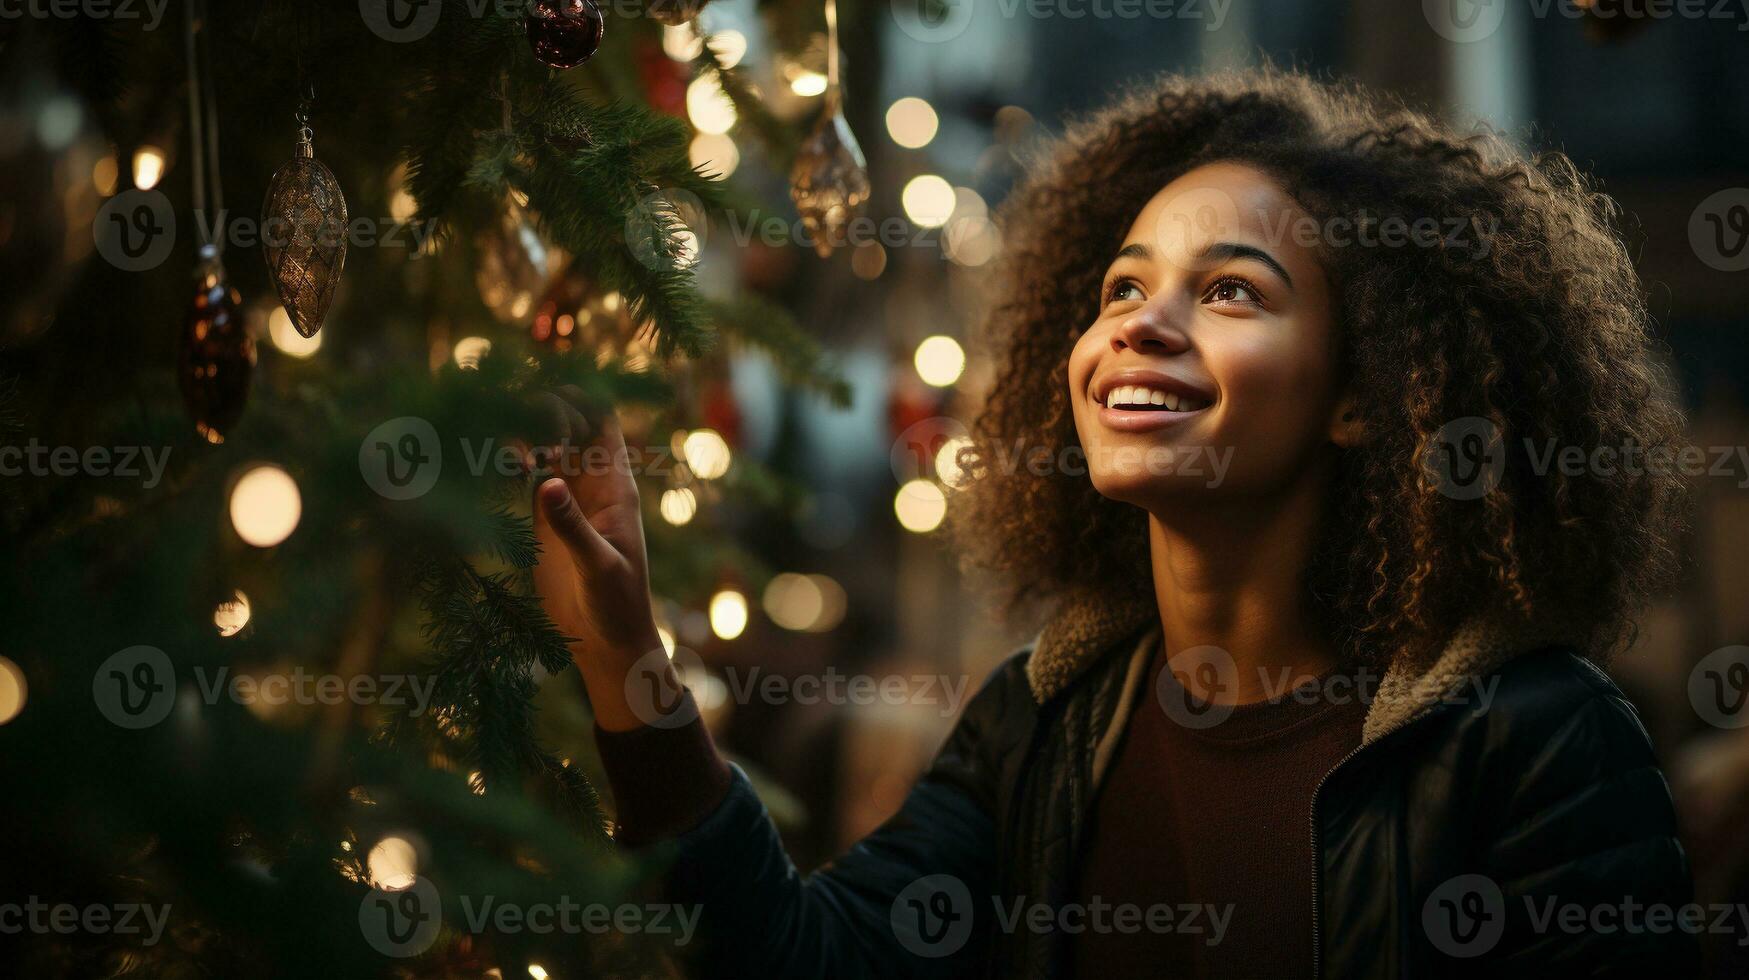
[838, 573]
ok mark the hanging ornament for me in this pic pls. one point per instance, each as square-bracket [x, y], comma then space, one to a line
[674, 12]
[516, 266]
[564, 33]
[304, 232]
[830, 180]
[215, 356]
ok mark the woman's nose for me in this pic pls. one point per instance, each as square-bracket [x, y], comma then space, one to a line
[1150, 330]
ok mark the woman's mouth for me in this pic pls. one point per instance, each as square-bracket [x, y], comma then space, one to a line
[1141, 408]
[1141, 398]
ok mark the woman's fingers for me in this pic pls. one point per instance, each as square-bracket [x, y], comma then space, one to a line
[556, 508]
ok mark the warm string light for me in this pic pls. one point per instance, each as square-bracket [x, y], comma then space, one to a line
[265, 506]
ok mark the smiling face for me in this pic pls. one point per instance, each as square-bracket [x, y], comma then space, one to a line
[1214, 333]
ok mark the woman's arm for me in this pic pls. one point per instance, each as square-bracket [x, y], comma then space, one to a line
[1583, 845]
[758, 916]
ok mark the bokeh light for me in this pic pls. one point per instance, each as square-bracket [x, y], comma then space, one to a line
[148, 167]
[912, 122]
[265, 506]
[678, 505]
[920, 506]
[728, 614]
[928, 200]
[469, 351]
[231, 617]
[393, 863]
[940, 360]
[285, 336]
[12, 690]
[706, 453]
[708, 107]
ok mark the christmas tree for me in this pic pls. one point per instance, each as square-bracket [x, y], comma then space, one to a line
[271, 656]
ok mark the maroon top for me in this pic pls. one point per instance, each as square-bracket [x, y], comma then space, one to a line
[1217, 818]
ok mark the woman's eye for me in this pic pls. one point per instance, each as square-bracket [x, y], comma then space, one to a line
[1232, 291]
[1123, 290]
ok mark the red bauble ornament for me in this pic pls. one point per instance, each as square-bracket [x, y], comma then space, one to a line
[215, 356]
[564, 33]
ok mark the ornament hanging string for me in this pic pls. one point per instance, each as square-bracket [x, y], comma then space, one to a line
[832, 51]
[203, 116]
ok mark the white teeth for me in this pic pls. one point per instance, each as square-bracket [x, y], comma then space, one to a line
[1143, 396]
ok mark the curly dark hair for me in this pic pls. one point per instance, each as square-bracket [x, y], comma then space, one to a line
[1533, 320]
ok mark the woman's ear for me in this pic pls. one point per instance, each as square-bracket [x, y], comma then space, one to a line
[1346, 428]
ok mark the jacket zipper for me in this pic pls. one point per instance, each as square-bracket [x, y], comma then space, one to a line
[1317, 858]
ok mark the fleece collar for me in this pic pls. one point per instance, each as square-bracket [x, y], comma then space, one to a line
[1089, 626]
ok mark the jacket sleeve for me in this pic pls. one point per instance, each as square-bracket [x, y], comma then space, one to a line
[900, 903]
[1584, 853]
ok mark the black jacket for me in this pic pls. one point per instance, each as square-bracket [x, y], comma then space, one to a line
[1521, 833]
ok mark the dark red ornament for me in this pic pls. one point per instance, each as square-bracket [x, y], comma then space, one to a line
[215, 355]
[564, 33]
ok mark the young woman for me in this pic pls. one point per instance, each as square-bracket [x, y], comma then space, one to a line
[1308, 372]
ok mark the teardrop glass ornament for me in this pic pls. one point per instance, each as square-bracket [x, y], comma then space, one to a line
[303, 235]
[830, 180]
[215, 356]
